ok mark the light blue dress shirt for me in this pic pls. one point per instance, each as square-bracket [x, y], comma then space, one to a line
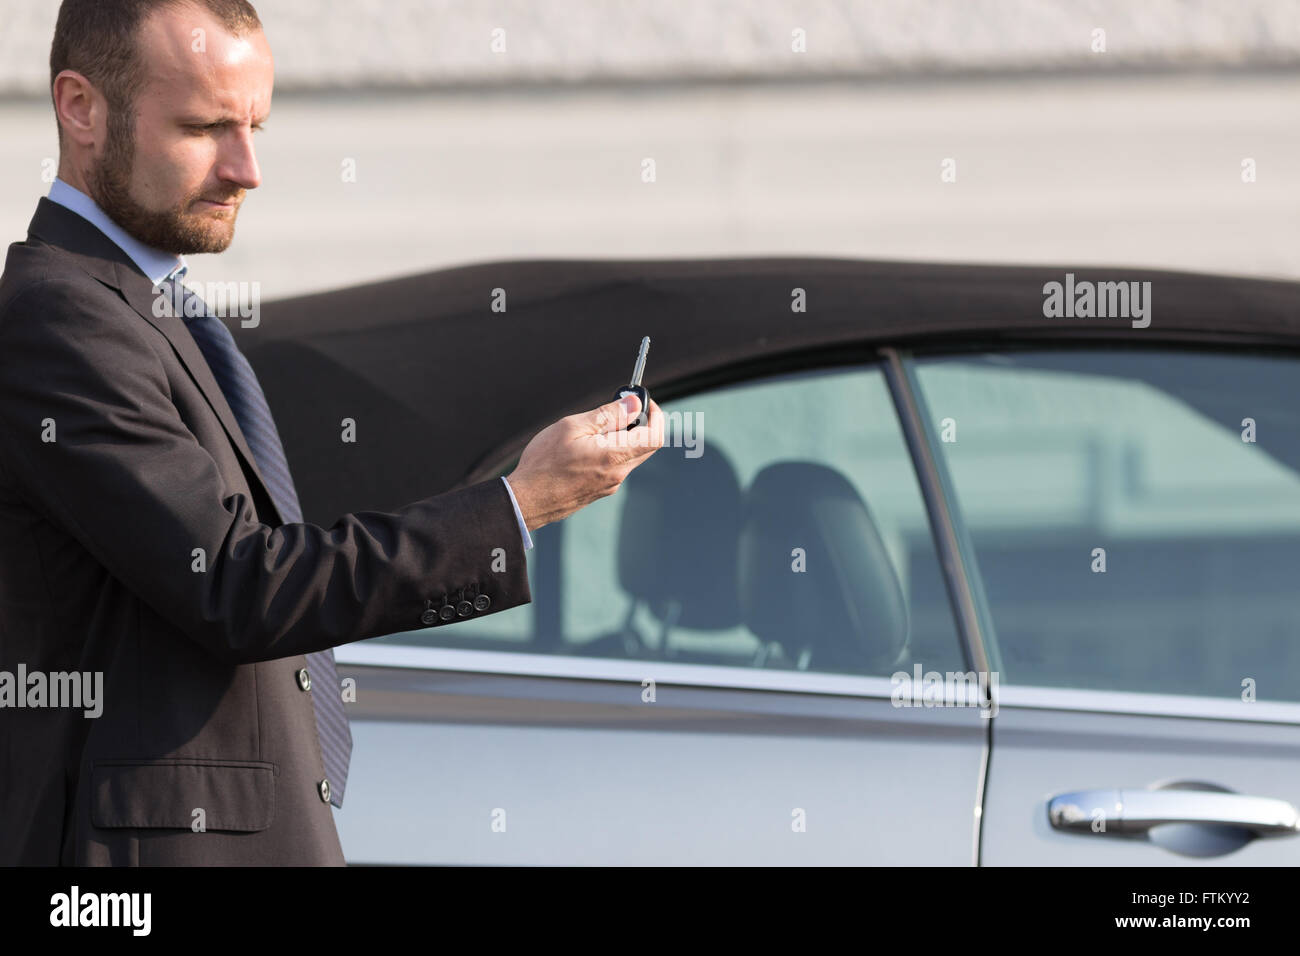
[158, 265]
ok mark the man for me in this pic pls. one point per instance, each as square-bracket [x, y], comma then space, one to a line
[149, 530]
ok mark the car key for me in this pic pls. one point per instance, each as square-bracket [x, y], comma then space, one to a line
[636, 388]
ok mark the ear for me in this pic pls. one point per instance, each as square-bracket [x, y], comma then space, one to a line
[79, 108]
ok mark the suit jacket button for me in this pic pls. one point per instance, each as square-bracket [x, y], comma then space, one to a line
[304, 679]
[482, 602]
[324, 789]
[464, 609]
[429, 616]
[446, 612]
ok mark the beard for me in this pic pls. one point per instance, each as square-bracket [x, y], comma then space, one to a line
[176, 230]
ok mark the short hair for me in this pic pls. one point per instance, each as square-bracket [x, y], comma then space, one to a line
[97, 38]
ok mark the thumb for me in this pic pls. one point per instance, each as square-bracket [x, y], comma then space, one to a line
[613, 415]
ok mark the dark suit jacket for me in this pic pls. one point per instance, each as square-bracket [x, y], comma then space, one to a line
[202, 707]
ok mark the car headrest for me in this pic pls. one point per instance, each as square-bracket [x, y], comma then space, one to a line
[678, 537]
[845, 611]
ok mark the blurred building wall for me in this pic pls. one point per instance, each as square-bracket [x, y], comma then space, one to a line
[421, 43]
[399, 142]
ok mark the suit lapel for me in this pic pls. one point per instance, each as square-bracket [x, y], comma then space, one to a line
[138, 292]
[103, 259]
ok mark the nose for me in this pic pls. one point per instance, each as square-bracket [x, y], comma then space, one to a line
[238, 163]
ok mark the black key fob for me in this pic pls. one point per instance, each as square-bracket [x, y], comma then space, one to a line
[640, 392]
[636, 388]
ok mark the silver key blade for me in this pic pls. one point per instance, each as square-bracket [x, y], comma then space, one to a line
[639, 369]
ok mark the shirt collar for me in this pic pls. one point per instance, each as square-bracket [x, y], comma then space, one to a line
[153, 262]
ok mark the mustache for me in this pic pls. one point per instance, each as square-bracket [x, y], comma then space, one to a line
[235, 198]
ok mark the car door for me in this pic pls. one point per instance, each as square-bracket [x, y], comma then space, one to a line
[1131, 520]
[745, 656]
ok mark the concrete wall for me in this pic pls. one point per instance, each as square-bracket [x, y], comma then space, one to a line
[1089, 165]
[449, 42]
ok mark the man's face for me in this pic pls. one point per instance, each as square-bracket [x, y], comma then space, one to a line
[179, 185]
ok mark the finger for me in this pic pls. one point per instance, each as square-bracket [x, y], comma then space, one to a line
[611, 416]
[647, 438]
[656, 423]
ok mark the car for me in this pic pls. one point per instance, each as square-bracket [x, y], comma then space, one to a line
[930, 570]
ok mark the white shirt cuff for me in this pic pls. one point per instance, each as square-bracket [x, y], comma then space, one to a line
[523, 528]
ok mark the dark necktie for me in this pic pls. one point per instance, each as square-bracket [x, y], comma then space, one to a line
[244, 395]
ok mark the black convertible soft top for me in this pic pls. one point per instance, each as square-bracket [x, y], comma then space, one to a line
[441, 386]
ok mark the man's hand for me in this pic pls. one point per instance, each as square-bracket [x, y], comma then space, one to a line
[581, 458]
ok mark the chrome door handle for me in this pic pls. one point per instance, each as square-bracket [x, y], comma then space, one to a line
[1137, 811]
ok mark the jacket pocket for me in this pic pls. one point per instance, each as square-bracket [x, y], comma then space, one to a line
[233, 794]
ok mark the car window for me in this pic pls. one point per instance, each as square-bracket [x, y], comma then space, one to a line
[780, 527]
[1135, 515]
